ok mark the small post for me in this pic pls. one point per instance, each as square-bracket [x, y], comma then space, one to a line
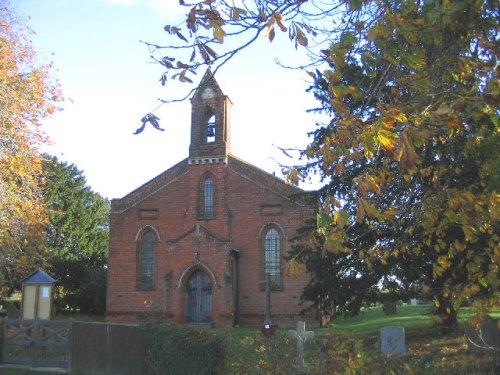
[268, 326]
[267, 318]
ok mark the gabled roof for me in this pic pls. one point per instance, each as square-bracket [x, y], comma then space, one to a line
[245, 170]
[38, 277]
[208, 81]
[150, 187]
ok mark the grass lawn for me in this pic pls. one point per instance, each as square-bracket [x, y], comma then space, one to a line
[352, 346]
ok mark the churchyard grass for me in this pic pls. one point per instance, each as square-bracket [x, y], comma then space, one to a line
[352, 346]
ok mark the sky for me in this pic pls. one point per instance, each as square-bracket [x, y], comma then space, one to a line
[110, 83]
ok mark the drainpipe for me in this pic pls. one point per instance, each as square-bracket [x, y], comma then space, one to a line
[236, 286]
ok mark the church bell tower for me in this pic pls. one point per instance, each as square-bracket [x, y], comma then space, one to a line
[210, 123]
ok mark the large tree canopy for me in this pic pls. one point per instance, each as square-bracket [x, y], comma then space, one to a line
[411, 155]
[27, 95]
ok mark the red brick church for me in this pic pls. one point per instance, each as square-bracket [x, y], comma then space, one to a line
[197, 241]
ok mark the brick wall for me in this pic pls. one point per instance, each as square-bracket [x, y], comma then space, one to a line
[246, 202]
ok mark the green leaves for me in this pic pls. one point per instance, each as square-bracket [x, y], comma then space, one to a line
[410, 148]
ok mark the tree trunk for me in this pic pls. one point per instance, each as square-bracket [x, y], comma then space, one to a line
[447, 316]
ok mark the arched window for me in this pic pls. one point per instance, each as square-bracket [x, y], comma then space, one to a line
[210, 131]
[208, 198]
[272, 257]
[147, 261]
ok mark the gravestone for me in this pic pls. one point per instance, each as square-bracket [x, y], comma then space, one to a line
[392, 341]
[414, 302]
[485, 338]
[301, 335]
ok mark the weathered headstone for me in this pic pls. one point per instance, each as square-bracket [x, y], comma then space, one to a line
[301, 336]
[485, 338]
[392, 341]
[414, 302]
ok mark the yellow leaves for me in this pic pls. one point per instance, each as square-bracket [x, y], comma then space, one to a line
[219, 33]
[389, 213]
[494, 205]
[405, 153]
[363, 208]
[293, 177]
[341, 218]
[279, 21]
[293, 268]
[375, 32]
[237, 12]
[459, 246]
[339, 168]
[334, 242]
[387, 139]
[370, 209]
[276, 19]
[444, 113]
[297, 34]
[367, 184]
[247, 340]
[260, 349]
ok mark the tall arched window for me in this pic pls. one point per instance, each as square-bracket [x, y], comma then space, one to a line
[208, 198]
[147, 261]
[272, 257]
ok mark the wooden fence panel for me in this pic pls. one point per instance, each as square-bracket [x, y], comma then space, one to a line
[107, 347]
[88, 347]
[36, 342]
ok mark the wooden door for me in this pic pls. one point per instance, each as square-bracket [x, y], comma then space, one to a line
[199, 299]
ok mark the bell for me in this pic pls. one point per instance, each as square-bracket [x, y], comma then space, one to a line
[211, 131]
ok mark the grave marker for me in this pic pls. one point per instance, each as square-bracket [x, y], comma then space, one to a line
[301, 335]
[392, 340]
[485, 338]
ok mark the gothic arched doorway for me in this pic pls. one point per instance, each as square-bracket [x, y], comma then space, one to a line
[198, 298]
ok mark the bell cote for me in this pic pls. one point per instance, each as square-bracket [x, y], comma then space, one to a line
[210, 123]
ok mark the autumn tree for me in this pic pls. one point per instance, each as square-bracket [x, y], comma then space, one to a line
[76, 234]
[27, 95]
[412, 145]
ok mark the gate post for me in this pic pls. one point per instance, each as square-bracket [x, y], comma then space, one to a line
[36, 341]
[2, 329]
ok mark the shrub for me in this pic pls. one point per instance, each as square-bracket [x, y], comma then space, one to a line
[174, 349]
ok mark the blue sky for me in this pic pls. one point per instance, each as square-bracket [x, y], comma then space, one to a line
[110, 82]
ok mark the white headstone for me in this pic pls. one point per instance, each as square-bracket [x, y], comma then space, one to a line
[414, 302]
[392, 340]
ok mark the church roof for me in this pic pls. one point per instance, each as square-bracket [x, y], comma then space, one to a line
[242, 168]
